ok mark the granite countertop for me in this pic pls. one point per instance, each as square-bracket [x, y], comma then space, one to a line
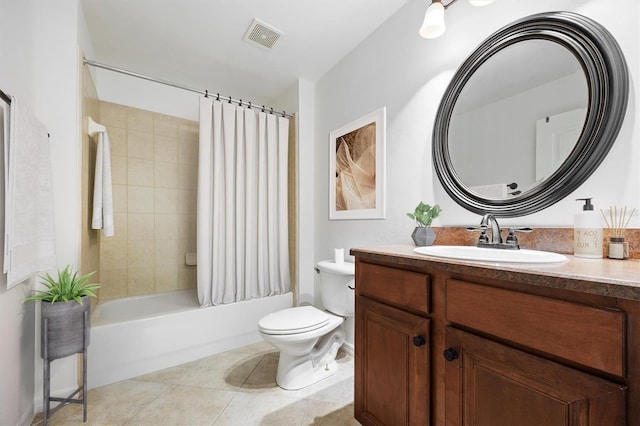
[605, 277]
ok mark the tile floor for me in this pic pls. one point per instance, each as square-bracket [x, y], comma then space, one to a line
[232, 388]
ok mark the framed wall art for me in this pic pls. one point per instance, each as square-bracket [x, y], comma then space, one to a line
[357, 168]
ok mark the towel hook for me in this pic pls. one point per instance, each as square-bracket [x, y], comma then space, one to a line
[94, 128]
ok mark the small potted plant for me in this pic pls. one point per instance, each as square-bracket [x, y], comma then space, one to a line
[68, 299]
[423, 215]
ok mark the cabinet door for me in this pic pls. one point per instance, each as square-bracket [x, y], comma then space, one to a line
[491, 384]
[391, 365]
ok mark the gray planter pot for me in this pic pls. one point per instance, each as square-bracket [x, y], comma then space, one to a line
[65, 328]
[423, 236]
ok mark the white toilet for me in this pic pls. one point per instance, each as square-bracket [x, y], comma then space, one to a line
[307, 337]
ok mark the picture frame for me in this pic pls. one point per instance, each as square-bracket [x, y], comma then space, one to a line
[357, 168]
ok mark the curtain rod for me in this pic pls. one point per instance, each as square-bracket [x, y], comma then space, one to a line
[205, 93]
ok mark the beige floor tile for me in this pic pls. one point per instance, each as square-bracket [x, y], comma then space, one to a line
[257, 348]
[263, 409]
[182, 405]
[335, 389]
[329, 414]
[263, 377]
[225, 371]
[232, 388]
[114, 404]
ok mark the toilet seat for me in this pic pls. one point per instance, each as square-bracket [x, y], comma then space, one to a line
[297, 320]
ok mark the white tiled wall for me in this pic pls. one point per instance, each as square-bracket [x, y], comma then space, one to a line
[154, 168]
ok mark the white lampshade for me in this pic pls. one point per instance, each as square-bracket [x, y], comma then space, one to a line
[433, 24]
[480, 2]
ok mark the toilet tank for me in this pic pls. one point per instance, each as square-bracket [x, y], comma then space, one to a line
[337, 287]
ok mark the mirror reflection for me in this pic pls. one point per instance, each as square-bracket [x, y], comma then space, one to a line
[517, 118]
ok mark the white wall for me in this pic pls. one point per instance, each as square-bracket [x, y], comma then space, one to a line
[130, 91]
[152, 96]
[396, 68]
[16, 320]
[57, 90]
[39, 44]
[306, 200]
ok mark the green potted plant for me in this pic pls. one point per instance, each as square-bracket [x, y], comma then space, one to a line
[64, 303]
[423, 215]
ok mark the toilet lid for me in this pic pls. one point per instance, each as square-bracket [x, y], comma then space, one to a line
[293, 320]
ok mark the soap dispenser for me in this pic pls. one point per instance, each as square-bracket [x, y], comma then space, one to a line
[587, 237]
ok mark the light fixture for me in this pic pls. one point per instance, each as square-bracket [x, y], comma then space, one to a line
[433, 25]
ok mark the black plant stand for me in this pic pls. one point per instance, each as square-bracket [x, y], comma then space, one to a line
[47, 398]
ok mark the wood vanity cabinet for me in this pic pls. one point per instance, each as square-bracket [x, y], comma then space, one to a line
[392, 362]
[488, 383]
[492, 384]
[437, 347]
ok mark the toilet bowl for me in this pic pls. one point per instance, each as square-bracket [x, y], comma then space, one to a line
[309, 338]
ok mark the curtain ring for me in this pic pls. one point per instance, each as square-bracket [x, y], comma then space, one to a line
[271, 111]
[240, 103]
[217, 96]
[250, 105]
[206, 93]
[284, 113]
[229, 99]
[262, 108]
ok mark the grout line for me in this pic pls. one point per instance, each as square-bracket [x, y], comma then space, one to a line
[252, 371]
[166, 388]
[235, 394]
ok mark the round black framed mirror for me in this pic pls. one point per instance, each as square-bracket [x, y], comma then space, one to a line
[530, 114]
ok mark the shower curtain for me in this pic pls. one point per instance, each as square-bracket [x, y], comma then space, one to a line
[242, 228]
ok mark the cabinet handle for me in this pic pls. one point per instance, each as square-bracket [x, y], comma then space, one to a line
[419, 340]
[450, 354]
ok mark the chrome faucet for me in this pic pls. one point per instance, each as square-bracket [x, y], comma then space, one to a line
[488, 220]
[496, 234]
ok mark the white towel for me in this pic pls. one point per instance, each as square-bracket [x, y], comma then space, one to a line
[29, 213]
[498, 190]
[102, 189]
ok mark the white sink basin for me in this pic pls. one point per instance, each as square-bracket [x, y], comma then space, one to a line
[491, 255]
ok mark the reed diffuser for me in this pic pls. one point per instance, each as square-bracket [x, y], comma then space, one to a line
[617, 221]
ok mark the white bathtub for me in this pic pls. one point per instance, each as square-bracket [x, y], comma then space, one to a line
[137, 335]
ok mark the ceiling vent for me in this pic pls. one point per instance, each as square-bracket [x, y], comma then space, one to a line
[262, 35]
